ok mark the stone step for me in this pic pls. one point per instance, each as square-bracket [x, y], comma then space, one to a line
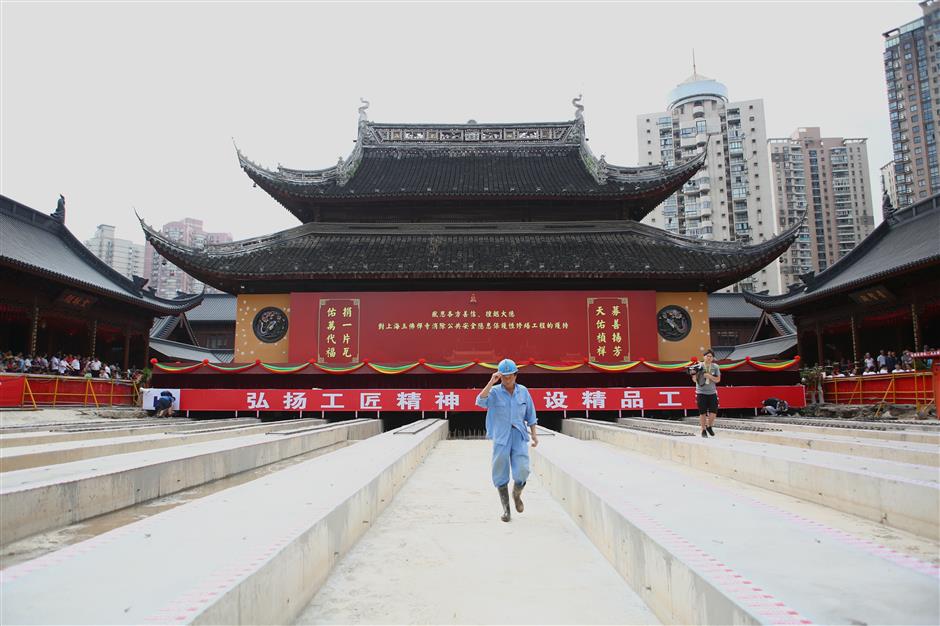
[252, 554]
[900, 495]
[41, 498]
[700, 554]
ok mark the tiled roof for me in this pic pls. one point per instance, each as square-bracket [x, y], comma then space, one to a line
[183, 352]
[644, 255]
[556, 163]
[731, 306]
[38, 244]
[766, 348]
[784, 324]
[908, 240]
[163, 326]
[215, 307]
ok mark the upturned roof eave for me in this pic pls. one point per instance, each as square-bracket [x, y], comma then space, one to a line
[785, 303]
[158, 305]
[615, 187]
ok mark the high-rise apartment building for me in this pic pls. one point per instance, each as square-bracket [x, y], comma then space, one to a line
[913, 82]
[729, 199]
[122, 255]
[889, 186]
[828, 179]
[165, 277]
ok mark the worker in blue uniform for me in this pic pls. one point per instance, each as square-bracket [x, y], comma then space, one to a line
[510, 423]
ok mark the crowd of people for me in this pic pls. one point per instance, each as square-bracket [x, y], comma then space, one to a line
[64, 364]
[884, 362]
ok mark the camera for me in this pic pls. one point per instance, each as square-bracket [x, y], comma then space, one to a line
[695, 368]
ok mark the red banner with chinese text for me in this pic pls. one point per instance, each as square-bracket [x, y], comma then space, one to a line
[561, 399]
[338, 331]
[463, 326]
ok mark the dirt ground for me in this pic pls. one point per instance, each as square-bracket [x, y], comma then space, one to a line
[58, 416]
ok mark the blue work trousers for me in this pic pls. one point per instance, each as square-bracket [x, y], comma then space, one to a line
[513, 454]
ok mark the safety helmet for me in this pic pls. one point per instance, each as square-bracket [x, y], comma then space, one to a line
[506, 367]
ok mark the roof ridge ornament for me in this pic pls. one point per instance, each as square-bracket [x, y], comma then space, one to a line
[578, 108]
[362, 110]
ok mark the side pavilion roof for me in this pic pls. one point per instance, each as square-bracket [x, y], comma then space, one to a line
[908, 240]
[41, 245]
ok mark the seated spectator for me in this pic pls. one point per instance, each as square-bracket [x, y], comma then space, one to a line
[907, 360]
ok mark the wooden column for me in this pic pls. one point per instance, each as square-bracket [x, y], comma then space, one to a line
[855, 354]
[34, 328]
[92, 342]
[819, 345]
[127, 347]
[915, 320]
[800, 346]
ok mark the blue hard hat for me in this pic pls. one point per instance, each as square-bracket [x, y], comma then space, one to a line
[507, 366]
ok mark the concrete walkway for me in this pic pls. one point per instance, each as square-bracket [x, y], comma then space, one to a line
[440, 555]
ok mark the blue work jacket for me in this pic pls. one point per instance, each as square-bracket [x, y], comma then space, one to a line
[505, 412]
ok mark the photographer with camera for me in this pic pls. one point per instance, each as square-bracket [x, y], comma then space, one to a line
[706, 375]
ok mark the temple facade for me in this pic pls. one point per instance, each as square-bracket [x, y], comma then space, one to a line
[459, 244]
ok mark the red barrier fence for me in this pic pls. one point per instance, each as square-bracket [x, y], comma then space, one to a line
[35, 390]
[560, 399]
[900, 388]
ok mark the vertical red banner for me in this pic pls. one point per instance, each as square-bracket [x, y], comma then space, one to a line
[608, 329]
[338, 330]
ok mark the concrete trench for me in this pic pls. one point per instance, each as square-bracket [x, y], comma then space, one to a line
[620, 526]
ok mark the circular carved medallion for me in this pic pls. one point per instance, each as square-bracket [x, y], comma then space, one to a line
[673, 323]
[270, 324]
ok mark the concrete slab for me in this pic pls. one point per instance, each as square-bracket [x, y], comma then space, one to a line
[779, 434]
[52, 496]
[901, 495]
[698, 554]
[440, 555]
[875, 430]
[253, 554]
[22, 457]
[71, 433]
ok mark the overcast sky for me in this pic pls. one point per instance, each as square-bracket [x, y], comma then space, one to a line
[134, 105]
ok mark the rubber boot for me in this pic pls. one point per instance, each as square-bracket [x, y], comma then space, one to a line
[517, 496]
[504, 498]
